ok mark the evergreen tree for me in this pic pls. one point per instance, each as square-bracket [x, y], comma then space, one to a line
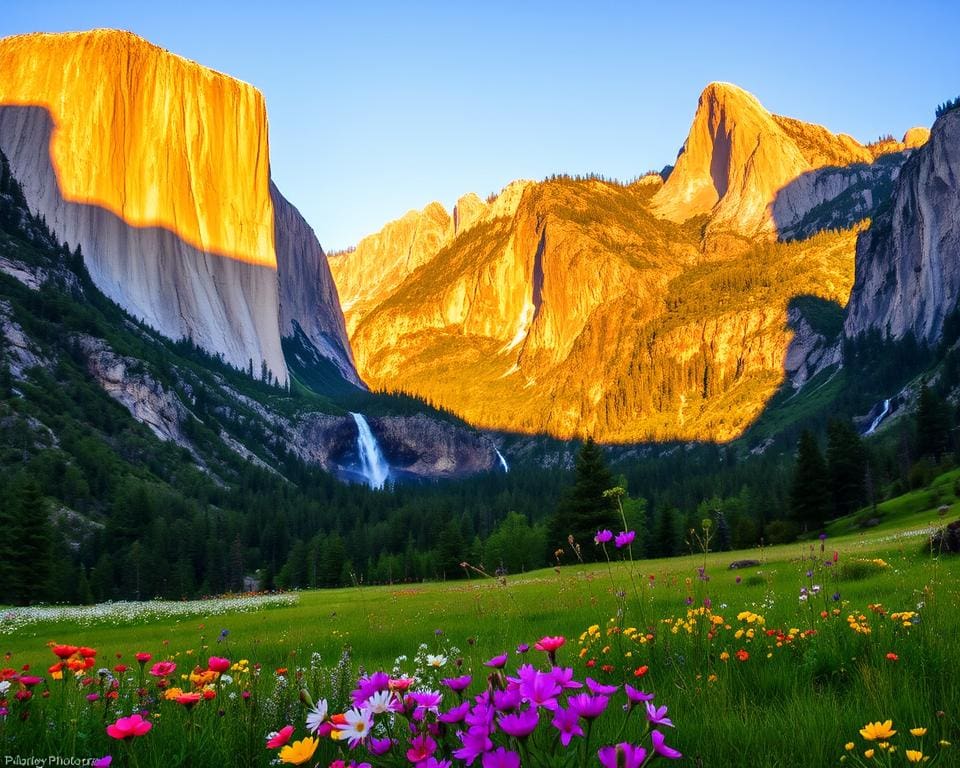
[847, 467]
[810, 501]
[451, 550]
[30, 531]
[584, 509]
[722, 534]
[933, 424]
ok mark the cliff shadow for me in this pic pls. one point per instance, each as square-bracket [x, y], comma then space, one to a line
[224, 304]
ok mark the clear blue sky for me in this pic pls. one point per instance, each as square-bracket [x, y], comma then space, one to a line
[376, 108]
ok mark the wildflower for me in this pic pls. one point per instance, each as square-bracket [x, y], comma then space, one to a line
[603, 537]
[521, 724]
[189, 700]
[64, 651]
[456, 714]
[892, 656]
[658, 715]
[635, 696]
[564, 678]
[102, 762]
[918, 731]
[661, 748]
[567, 721]
[316, 716]
[742, 655]
[914, 756]
[163, 669]
[623, 754]
[588, 707]
[218, 664]
[475, 743]
[522, 648]
[356, 726]
[458, 684]
[421, 748]
[498, 662]
[380, 702]
[501, 758]
[641, 670]
[868, 754]
[379, 747]
[540, 688]
[625, 539]
[436, 661]
[549, 644]
[129, 728]
[299, 752]
[878, 730]
[142, 658]
[280, 738]
[600, 688]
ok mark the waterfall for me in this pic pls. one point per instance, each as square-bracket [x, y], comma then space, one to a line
[876, 422]
[503, 461]
[373, 466]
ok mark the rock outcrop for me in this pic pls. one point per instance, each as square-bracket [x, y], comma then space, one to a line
[752, 171]
[908, 261]
[158, 168]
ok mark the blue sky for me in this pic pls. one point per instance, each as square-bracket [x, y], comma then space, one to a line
[376, 108]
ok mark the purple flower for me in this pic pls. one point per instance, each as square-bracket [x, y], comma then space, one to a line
[91, 697]
[523, 648]
[103, 762]
[501, 758]
[432, 762]
[480, 717]
[658, 715]
[568, 723]
[635, 696]
[603, 536]
[538, 687]
[521, 724]
[475, 742]
[600, 688]
[458, 684]
[823, 537]
[507, 701]
[378, 747]
[632, 757]
[836, 597]
[456, 714]
[625, 539]
[588, 707]
[425, 701]
[497, 662]
[564, 677]
[369, 685]
[662, 749]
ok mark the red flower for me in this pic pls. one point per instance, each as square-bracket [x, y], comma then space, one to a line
[607, 668]
[742, 655]
[217, 664]
[592, 663]
[188, 699]
[54, 668]
[550, 644]
[892, 656]
[281, 738]
[64, 651]
[120, 668]
[641, 671]
[209, 694]
[87, 653]
[143, 658]
[163, 668]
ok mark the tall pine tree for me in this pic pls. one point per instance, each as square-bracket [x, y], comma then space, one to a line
[584, 509]
[847, 465]
[810, 501]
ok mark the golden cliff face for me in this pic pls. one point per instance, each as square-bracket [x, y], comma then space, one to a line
[158, 168]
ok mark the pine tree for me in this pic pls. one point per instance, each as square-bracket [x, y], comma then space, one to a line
[810, 501]
[451, 550]
[933, 424]
[847, 467]
[30, 530]
[584, 509]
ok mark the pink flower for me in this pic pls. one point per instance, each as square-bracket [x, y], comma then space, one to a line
[603, 537]
[636, 696]
[550, 644]
[103, 762]
[600, 688]
[163, 668]
[622, 755]
[217, 664]
[458, 684]
[129, 727]
[662, 749]
[280, 738]
[568, 723]
[421, 747]
[521, 724]
[501, 758]
[497, 662]
[625, 539]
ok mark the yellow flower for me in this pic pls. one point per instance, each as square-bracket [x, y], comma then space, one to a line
[918, 731]
[868, 754]
[849, 746]
[943, 743]
[724, 656]
[878, 730]
[299, 752]
[172, 693]
[914, 756]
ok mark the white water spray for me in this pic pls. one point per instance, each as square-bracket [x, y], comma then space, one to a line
[373, 466]
[876, 422]
[503, 461]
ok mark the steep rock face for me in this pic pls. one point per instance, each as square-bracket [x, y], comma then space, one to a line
[908, 271]
[308, 295]
[752, 171]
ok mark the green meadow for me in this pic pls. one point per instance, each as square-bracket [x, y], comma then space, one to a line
[808, 682]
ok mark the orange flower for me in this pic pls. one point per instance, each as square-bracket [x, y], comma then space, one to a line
[892, 656]
[641, 670]
[64, 651]
[742, 655]
[188, 699]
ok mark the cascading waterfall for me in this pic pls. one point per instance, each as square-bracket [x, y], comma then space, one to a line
[373, 466]
[503, 461]
[876, 422]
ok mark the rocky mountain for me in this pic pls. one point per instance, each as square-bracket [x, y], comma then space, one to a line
[908, 273]
[158, 169]
[646, 311]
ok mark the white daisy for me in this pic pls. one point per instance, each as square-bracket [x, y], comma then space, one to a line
[357, 726]
[436, 661]
[316, 716]
[380, 702]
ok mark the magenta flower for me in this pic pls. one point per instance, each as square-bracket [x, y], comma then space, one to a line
[421, 747]
[129, 728]
[603, 536]
[520, 724]
[458, 684]
[102, 762]
[523, 648]
[662, 749]
[425, 701]
[369, 685]
[475, 743]
[549, 644]
[564, 678]
[480, 717]
[497, 662]
[588, 707]
[434, 763]
[623, 754]
[636, 696]
[501, 758]
[538, 687]
[378, 747]
[658, 715]
[92, 697]
[456, 714]
[508, 700]
[625, 539]
[567, 721]
[600, 688]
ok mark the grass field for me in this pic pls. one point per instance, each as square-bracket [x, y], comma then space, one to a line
[796, 699]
